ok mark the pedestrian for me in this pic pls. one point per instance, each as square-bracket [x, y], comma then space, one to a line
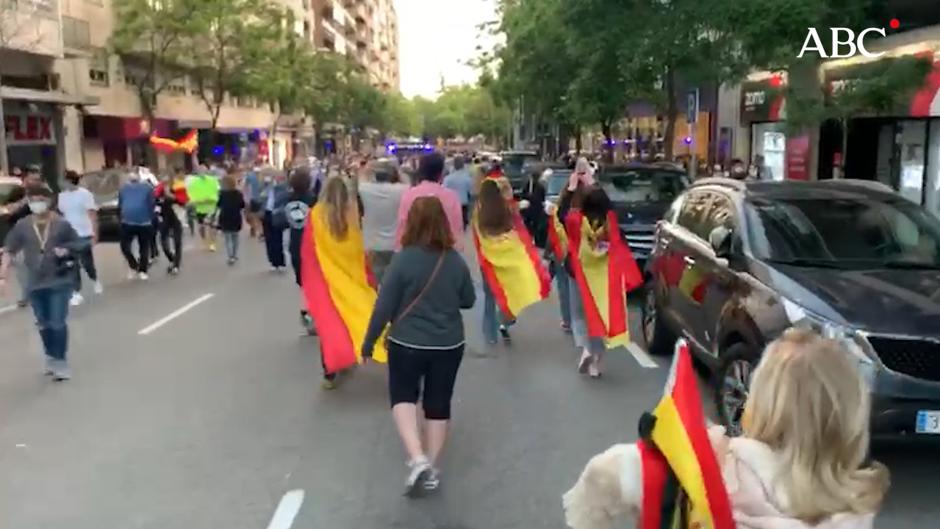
[430, 172]
[425, 288]
[252, 192]
[78, 207]
[203, 192]
[296, 211]
[231, 209]
[171, 194]
[16, 208]
[531, 204]
[274, 195]
[461, 183]
[47, 243]
[136, 204]
[381, 199]
[572, 196]
[801, 463]
[512, 279]
[604, 271]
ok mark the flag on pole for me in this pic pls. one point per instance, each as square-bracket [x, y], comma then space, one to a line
[338, 290]
[603, 277]
[685, 489]
[512, 268]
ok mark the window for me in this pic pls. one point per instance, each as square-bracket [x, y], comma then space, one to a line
[75, 33]
[98, 70]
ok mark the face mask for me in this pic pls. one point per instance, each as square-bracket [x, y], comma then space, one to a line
[38, 207]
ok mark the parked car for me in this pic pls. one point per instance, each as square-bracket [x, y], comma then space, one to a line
[105, 185]
[641, 195]
[737, 263]
[556, 183]
[9, 188]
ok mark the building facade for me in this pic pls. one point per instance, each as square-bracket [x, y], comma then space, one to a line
[68, 103]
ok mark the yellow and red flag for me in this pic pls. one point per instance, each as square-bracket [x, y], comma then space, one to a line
[339, 291]
[603, 277]
[557, 237]
[679, 438]
[512, 268]
[188, 144]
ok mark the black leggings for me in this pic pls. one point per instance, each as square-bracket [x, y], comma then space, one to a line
[171, 238]
[435, 369]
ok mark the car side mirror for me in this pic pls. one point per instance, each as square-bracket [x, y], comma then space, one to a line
[720, 240]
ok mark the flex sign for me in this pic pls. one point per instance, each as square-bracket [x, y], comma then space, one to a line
[843, 42]
[29, 129]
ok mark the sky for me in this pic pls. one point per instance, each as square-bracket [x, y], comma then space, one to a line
[437, 37]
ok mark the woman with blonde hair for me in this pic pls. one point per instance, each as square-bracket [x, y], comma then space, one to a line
[800, 464]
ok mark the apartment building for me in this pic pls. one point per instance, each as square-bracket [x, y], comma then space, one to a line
[364, 30]
[68, 103]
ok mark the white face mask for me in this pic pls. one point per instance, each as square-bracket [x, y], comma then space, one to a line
[38, 207]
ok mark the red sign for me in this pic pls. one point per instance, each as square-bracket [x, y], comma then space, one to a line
[29, 130]
[798, 158]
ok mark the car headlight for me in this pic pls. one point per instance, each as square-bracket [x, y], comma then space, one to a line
[851, 339]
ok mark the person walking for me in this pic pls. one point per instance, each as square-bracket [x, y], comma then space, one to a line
[425, 288]
[296, 210]
[231, 209]
[16, 208]
[274, 195]
[48, 244]
[572, 196]
[252, 192]
[136, 204]
[532, 205]
[381, 199]
[801, 463]
[170, 194]
[461, 183]
[430, 172]
[79, 209]
[203, 190]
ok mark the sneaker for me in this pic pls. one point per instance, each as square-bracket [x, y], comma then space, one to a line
[328, 384]
[61, 374]
[131, 275]
[565, 328]
[420, 471]
[434, 480]
[48, 368]
[143, 276]
[231, 261]
[21, 304]
[99, 288]
[504, 332]
[212, 247]
[307, 322]
[76, 300]
[585, 362]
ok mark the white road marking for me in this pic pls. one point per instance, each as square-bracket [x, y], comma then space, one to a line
[173, 315]
[641, 356]
[287, 510]
[11, 308]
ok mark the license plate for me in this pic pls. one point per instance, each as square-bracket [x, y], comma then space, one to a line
[928, 422]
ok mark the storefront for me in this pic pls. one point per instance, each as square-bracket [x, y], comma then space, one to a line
[763, 109]
[111, 141]
[34, 137]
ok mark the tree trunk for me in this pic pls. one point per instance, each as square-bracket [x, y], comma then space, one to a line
[672, 112]
[577, 140]
[150, 151]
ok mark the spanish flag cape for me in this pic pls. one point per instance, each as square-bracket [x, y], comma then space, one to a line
[339, 290]
[603, 278]
[682, 483]
[512, 267]
[557, 238]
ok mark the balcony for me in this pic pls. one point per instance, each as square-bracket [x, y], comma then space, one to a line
[32, 27]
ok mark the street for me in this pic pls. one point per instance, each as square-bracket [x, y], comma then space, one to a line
[208, 419]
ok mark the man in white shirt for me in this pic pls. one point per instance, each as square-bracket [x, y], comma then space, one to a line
[381, 199]
[78, 206]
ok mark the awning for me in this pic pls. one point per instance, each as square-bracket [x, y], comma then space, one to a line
[46, 96]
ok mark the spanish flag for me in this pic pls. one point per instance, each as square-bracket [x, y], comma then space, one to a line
[512, 268]
[603, 277]
[683, 487]
[557, 238]
[339, 290]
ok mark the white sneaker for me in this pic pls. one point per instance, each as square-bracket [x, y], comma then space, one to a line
[418, 475]
[143, 276]
[99, 288]
[76, 300]
[131, 275]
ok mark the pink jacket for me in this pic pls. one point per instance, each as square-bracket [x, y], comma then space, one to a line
[609, 492]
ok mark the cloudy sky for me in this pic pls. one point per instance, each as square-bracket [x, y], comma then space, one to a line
[437, 38]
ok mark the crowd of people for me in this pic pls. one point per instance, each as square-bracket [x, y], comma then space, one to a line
[403, 305]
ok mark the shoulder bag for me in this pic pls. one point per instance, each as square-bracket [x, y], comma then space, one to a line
[401, 315]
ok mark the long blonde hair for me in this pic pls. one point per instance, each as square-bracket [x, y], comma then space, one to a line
[809, 403]
[337, 208]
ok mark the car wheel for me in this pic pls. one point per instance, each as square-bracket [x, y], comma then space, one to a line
[733, 385]
[659, 341]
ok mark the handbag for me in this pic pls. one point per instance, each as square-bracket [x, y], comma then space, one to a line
[414, 302]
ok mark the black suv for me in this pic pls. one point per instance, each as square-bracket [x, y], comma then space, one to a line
[735, 264]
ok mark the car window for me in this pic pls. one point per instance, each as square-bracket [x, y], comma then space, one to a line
[674, 208]
[853, 232]
[694, 213]
[557, 183]
[647, 186]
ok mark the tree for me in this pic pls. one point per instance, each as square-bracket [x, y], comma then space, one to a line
[154, 39]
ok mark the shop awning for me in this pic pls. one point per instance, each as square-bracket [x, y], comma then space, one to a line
[46, 96]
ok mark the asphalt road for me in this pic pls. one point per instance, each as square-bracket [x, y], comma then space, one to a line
[209, 419]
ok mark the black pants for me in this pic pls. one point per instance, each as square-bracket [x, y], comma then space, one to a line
[465, 210]
[144, 236]
[86, 259]
[294, 240]
[273, 241]
[154, 234]
[428, 374]
[171, 239]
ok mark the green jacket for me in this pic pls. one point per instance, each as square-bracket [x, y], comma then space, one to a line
[203, 191]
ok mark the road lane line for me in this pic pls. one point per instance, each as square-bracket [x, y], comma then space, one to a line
[175, 314]
[11, 308]
[287, 510]
[641, 356]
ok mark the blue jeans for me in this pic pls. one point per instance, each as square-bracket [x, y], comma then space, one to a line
[563, 282]
[492, 316]
[579, 327]
[231, 244]
[51, 308]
